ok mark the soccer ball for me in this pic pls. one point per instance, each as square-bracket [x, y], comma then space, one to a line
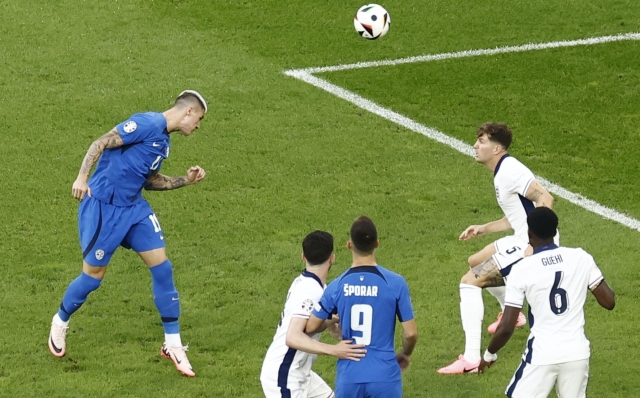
[372, 21]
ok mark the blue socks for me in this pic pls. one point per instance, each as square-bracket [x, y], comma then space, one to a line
[166, 297]
[76, 295]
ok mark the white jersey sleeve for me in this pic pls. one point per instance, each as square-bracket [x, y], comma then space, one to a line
[518, 177]
[305, 291]
[511, 182]
[595, 275]
[516, 288]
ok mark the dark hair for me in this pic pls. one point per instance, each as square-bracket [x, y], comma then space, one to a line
[317, 247]
[188, 98]
[496, 132]
[364, 235]
[542, 222]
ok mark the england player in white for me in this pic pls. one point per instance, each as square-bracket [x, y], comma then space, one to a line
[517, 193]
[286, 370]
[554, 281]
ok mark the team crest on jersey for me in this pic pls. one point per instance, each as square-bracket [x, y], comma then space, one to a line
[99, 254]
[307, 305]
[130, 126]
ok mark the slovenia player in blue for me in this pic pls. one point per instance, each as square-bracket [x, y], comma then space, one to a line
[113, 213]
[368, 298]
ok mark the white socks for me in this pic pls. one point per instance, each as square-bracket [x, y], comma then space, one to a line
[471, 313]
[498, 292]
[173, 340]
[60, 322]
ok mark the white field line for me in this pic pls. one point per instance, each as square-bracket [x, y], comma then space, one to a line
[475, 53]
[306, 75]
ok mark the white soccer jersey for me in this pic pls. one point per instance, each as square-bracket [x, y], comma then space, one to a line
[555, 281]
[511, 180]
[284, 367]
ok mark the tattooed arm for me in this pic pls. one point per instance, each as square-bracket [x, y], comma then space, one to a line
[110, 140]
[538, 194]
[160, 182]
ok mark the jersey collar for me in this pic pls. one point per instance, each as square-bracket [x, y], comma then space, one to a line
[366, 268]
[314, 276]
[500, 163]
[545, 247]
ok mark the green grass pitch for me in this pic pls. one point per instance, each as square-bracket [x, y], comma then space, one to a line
[284, 158]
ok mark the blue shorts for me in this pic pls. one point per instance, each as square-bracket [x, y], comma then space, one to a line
[391, 389]
[104, 227]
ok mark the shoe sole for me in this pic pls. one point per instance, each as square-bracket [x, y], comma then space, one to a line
[174, 363]
[52, 348]
[464, 372]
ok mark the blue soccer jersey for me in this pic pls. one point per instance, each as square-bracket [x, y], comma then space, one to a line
[122, 172]
[368, 300]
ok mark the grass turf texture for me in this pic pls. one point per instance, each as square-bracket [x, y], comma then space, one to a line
[284, 158]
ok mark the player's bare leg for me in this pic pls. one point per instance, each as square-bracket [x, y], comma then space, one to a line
[478, 258]
[482, 256]
[487, 275]
[167, 302]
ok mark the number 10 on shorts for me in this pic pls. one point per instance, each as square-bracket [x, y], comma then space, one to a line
[361, 321]
[155, 222]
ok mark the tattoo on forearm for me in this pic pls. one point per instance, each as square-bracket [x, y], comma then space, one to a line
[159, 182]
[489, 273]
[110, 140]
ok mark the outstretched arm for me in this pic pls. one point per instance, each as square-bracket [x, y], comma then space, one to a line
[502, 336]
[297, 339]
[474, 231]
[110, 140]
[315, 324]
[161, 182]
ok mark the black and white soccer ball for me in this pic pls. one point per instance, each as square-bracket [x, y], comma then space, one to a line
[372, 21]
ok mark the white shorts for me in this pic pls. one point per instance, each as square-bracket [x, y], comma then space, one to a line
[537, 381]
[509, 250]
[314, 388]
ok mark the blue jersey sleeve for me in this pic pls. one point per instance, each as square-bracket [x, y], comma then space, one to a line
[135, 129]
[326, 306]
[404, 309]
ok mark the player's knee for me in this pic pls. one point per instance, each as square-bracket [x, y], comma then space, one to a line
[471, 261]
[162, 278]
[470, 279]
